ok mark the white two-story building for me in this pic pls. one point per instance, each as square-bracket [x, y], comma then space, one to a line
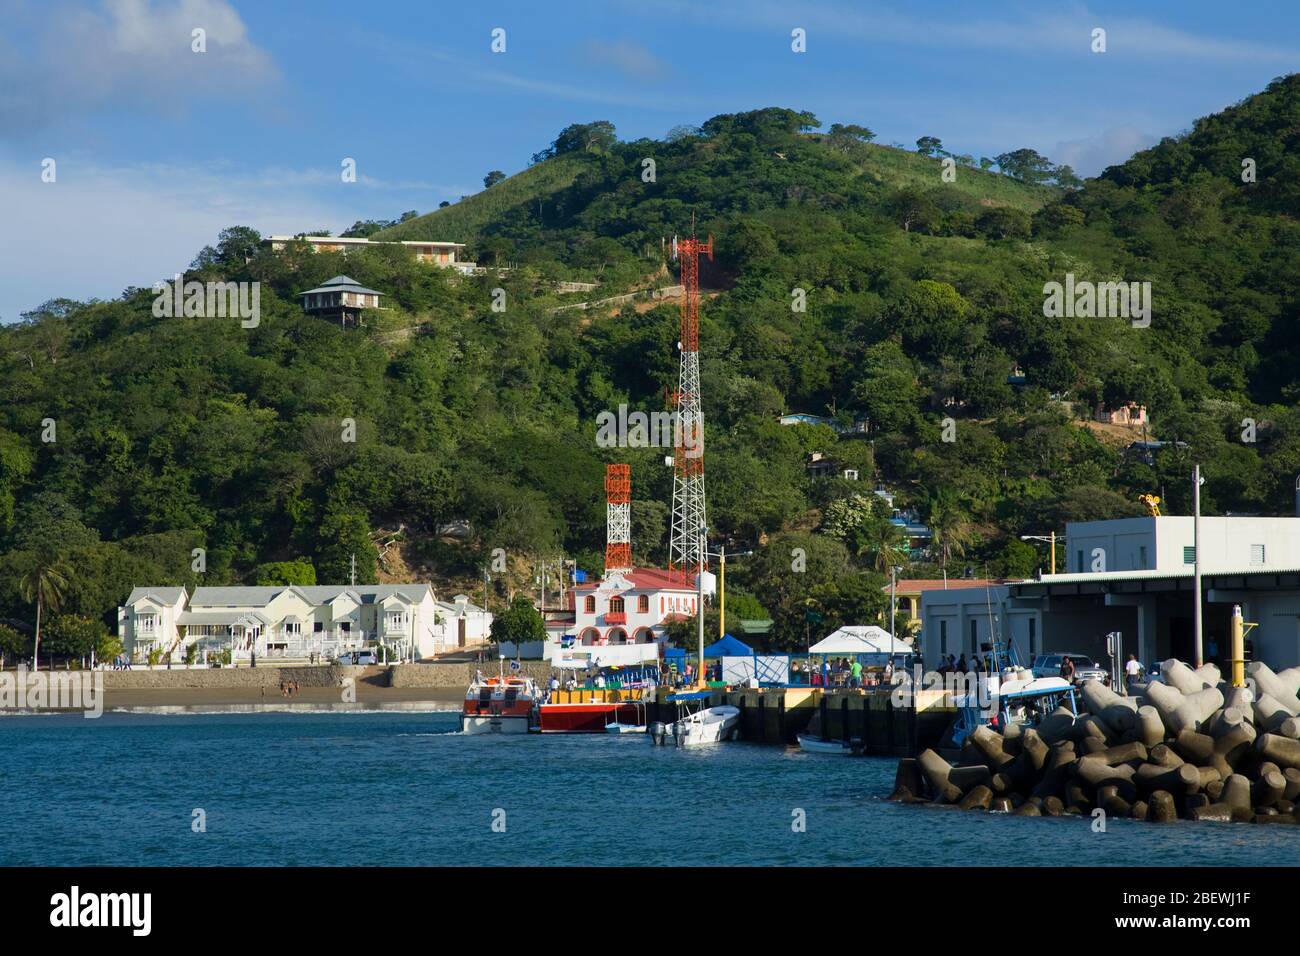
[288, 622]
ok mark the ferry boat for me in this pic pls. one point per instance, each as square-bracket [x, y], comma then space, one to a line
[500, 705]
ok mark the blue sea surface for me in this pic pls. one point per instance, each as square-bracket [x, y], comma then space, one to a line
[404, 788]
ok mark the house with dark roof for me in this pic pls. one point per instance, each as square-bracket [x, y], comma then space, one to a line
[339, 298]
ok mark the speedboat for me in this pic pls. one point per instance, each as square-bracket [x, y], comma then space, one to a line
[812, 744]
[500, 705]
[622, 728]
[707, 725]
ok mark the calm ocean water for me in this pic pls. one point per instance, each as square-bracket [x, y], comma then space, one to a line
[404, 788]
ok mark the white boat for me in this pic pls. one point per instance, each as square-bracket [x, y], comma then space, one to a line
[708, 725]
[500, 705]
[820, 745]
[621, 728]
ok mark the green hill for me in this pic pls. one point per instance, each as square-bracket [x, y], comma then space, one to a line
[851, 281]
[464, 221]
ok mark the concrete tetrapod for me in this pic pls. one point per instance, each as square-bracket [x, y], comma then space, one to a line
[1181, 677]
[1239, 697]
[1270, 712]
[937, 771]
[1283, 751]
[1161, 807]
[1150, 728]
[1266, 682]
[1221, 756]
[1290, 679]
[1177, 712]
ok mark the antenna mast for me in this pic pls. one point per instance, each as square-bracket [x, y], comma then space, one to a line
[686, 555]
[618, 521]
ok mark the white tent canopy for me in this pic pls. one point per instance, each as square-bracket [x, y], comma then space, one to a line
[867, 639]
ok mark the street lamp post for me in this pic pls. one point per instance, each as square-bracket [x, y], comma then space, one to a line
[1196, 554]
[893, 612]
[1050, 538]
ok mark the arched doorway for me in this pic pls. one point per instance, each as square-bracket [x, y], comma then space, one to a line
[644, 635]
[616, 635]
[589, 636]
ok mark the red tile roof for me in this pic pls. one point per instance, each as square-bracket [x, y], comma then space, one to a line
[938, 584]
[646, 579]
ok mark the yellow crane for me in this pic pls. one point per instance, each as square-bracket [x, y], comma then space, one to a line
[1153, 504]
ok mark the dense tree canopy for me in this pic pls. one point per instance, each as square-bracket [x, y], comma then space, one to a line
[851, 281]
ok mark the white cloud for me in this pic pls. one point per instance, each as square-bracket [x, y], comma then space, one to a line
[59, 62]
[1109, 147]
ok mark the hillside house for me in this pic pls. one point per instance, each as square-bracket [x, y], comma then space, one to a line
[443, 254]
[1131, 414]
[284, 622]
[339, 298]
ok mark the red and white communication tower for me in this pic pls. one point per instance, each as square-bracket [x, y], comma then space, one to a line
[618, 520]
[686, 550]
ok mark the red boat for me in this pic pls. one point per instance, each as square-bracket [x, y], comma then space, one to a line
[500, 705]
[590, 717]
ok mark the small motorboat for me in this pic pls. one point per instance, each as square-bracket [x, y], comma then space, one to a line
[623, 728]
[812, 744]
[706, 725]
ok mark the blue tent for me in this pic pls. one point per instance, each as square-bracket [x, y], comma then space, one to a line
[729, 647]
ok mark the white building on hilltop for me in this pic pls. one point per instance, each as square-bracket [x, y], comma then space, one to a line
[433, 252]
[284, 622]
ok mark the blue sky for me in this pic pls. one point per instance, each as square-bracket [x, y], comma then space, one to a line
[157, 148]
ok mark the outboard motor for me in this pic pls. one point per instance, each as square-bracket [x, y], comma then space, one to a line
[658, 730]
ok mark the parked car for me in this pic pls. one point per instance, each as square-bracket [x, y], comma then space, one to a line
[357, 657]
[1085, 669]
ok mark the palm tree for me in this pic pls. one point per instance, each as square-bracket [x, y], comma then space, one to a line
[885, 542]
[950, 526]
[44, 585]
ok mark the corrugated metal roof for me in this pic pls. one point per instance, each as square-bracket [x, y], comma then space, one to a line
[1101, 577]
[342, 284]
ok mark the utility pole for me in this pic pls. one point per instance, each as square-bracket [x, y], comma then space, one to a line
[699, 597]
[1196, 554]
[722, 592]
[352, 569]
[893, 610]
